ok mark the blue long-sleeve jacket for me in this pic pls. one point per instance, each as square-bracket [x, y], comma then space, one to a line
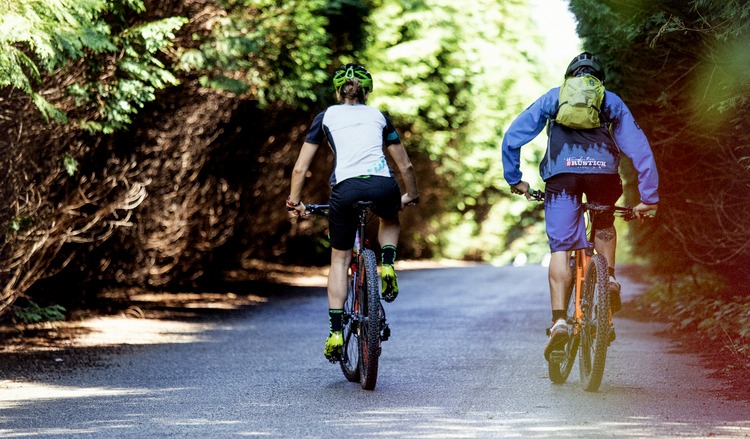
[592, 151]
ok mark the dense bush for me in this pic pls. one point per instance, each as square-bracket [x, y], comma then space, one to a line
[683, 68]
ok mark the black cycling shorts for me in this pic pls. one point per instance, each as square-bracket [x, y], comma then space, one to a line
[342, 217]
[563, 213]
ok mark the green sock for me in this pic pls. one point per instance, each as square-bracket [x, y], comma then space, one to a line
[389, 254]
[334, 319]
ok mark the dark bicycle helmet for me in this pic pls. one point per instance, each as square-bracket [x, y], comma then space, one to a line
[586, 59]
[353, 70]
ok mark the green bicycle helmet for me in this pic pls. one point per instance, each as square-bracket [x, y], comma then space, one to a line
[353, 70]
[586, 59]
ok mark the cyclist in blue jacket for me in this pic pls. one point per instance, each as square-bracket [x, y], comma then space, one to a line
[578, 162]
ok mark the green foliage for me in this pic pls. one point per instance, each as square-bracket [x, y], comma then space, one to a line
[452, 77]
[683, 69]
[34, 313]
[19, 224]
[54, 31]
[269, 50]
[138, 75]
[702, 302]
[70, 164]
[57, 32]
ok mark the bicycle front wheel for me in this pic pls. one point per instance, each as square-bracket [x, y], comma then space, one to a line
[369, 301]
[350, 352]
[560, 370]
[595, 324]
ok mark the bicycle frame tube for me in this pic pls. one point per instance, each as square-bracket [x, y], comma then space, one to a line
[360, 243]
[582, 258]
[581, 262]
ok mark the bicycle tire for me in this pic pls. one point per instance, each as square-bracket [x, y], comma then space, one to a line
[559, 372]
[350, 352]
[369, 300]
[595, 324]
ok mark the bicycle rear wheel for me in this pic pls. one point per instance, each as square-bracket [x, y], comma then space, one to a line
[369, 326]
[350, 352]
[560, 370]
[595, 324]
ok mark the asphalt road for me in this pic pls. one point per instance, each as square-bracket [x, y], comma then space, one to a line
[464, 361]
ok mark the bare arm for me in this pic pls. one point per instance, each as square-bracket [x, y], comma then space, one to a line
[306, 155]
[406, 169]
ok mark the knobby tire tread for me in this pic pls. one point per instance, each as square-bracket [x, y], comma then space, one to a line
[370, 324]
[595, 330]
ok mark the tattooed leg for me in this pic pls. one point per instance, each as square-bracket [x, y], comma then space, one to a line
[605, 242]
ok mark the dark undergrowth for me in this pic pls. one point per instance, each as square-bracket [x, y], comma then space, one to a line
[706, 316]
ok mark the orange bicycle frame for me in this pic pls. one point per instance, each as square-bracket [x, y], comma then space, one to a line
[582, 258]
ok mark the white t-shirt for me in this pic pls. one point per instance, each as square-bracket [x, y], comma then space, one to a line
[357, 134]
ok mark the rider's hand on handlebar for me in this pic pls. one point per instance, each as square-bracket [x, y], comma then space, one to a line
[295, 209]
[408, 200]
[521, 188]
[644, 210]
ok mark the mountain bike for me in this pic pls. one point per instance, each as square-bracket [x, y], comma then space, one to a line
[589, 316]
[364, 320]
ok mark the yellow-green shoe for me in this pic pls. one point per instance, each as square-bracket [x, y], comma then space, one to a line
[390, 286]
[334, 343]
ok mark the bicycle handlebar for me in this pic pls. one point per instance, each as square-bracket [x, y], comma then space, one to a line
[322, 209]
[536, 194]
[316, 209]
[625, 212]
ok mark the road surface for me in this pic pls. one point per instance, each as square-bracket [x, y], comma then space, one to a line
[464, 361]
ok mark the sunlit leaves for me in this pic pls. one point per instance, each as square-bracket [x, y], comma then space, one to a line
[54, 31]
[139, 74]
[456, 76]
[271, 50]
[58, 32]
[70, 164]
[684, 73]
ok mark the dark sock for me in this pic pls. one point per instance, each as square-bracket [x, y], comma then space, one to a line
[558, 314]
[389, 254]
[612, 272]
[334, 319]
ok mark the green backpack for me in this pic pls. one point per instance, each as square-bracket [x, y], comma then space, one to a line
[580, 102]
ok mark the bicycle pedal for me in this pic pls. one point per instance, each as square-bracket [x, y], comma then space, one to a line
[386, 334]
[557, 357]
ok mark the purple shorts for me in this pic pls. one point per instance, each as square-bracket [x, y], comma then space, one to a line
[566, 228]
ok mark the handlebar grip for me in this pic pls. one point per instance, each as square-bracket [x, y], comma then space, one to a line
[316, 209]
[536, 194]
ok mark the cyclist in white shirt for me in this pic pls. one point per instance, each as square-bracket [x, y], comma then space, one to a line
[358, 135]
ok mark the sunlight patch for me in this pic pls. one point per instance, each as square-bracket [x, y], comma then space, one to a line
[14, 393]
[110, 331]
